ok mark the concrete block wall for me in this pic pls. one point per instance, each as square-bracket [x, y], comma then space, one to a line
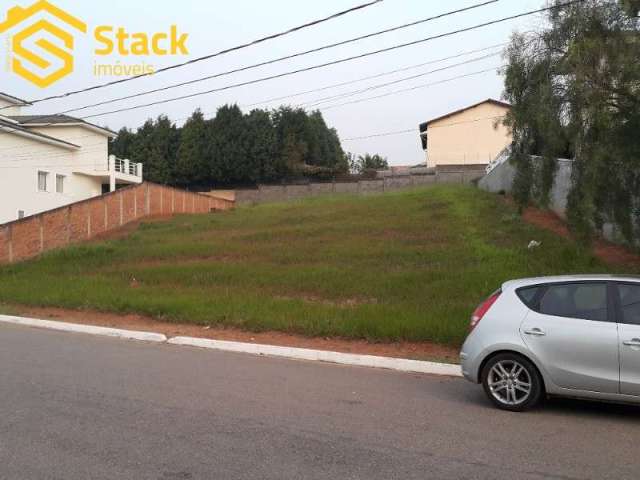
[283, 193]
[500, 179]
[27, 238]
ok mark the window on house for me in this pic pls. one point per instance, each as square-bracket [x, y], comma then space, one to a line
[42, 181]
[60, 183]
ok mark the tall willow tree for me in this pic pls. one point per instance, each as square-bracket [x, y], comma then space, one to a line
[575, 90]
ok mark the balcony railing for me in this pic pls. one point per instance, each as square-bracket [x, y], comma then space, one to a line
[125, 166]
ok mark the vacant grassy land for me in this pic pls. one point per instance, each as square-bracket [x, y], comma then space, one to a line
[400, 266]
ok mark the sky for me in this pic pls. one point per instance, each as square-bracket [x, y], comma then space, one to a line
[214, 25]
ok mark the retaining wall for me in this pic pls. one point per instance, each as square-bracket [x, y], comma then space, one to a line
[28, 237]
[500, 180]
[283, 193]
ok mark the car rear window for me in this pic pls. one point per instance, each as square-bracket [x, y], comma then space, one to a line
[528, 295]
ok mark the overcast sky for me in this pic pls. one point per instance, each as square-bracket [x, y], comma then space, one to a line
[213, 25]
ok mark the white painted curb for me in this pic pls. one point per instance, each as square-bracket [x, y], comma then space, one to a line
[399, 364]
[88, 329]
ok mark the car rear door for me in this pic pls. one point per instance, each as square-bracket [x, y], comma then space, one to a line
[628, 308]
[571, 329]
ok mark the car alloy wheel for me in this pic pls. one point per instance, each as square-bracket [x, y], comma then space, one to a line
[509, 382]
[512, 382]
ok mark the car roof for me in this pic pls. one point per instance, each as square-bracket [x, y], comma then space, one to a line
[523, 282]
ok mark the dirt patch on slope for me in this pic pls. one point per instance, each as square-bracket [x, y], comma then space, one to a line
[411, 350]
[606, 251]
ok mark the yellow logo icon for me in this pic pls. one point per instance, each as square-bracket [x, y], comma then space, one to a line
[29, 23]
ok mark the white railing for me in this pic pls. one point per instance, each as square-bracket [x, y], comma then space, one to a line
[124, 166]
[502, 157]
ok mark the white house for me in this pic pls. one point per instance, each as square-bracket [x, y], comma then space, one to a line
[47, 162]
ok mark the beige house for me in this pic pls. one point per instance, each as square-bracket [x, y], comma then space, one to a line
[467, 138]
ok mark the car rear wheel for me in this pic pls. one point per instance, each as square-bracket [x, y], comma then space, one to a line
[512, 382]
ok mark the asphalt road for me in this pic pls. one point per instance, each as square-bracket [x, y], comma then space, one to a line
[81, 407]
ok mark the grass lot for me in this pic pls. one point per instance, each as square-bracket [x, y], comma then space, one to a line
[410, 265]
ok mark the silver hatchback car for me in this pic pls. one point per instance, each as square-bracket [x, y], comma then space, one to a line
[573, 336]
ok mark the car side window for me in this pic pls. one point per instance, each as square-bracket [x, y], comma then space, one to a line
[587, 301]
[629, 303]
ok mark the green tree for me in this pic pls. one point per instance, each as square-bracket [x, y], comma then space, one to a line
[367, 162]
[291, 128]
[264, 163]
[122, 144]
[228, 141]
[192, 162]
[574, 87]
[155, 145]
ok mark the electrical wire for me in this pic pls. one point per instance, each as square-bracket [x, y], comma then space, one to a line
[414, 130]
[412, 88]
[213, 55]
[335, 62]
[394, 82]
[314, 67]
[280, 59]
[378, 75]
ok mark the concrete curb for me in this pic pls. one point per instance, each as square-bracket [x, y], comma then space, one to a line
[88, 329]
[398, 364]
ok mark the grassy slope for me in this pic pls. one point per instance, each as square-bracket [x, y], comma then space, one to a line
[400, 266]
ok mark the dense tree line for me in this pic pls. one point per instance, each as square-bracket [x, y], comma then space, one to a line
[575, 91]
[235, 148]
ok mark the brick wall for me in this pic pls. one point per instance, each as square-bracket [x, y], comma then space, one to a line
[81, 221]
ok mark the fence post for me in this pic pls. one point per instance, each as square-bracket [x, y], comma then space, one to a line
[147, 200]
[89, 220]
[41, 217]
[68, 222]
[10, 242]
[121, 208]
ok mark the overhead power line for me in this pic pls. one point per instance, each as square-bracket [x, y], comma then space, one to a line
[416, 130]
[320, 101]
[417, 87]
[371, 77]
[370, 53]
[281, 59]
[216, 54]
[386, 134]
[335, 62]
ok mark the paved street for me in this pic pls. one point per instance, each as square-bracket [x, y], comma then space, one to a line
[81, 407]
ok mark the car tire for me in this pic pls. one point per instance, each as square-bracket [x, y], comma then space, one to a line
[512, 382]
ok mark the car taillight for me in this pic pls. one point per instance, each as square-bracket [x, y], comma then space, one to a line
[482, 309]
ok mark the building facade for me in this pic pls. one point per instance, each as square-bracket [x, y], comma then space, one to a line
[48, 162]
[467, 138]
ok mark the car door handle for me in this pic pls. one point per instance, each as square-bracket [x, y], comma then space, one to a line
[633, 343]
[536, 332]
